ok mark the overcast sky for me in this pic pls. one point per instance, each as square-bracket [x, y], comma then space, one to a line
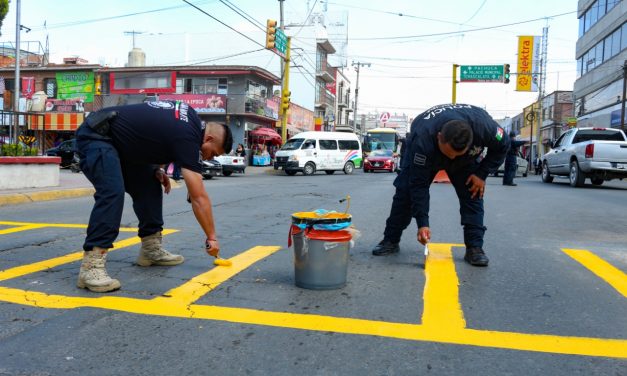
[411, 45]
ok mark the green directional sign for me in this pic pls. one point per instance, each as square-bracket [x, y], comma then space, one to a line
[280, 42]
[481, 73]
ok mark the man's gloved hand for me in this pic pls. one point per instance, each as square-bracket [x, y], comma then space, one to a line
[163, 179]
[212, 247]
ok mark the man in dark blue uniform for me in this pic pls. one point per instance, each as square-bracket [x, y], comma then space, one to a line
[123, 149]
[448, 137]
[511, 160]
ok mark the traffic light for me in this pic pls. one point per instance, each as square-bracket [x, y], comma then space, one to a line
[285, 101]
[270, 34]
[506, 73]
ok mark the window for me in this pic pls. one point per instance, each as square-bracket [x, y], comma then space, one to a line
[594, 13]
[581, 25]
[349, 145]
[9, 84]
[328, 145]
[623, 39]
[50, 87]
[616, 42]
[602, 5]
[587, 22]
[611, 4]
[607, 51]
[256, 90]
[204, 85]
[142, 80]
[309, 144]
[599, 53]
[579, 66]
[223, 86]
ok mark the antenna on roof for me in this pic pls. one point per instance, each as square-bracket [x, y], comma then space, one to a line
[133, 33]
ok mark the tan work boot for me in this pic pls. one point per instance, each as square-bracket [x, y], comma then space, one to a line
[93, 275]
[152, 253]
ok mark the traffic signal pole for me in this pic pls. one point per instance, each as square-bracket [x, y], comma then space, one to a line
[285, 93]
[454, 100]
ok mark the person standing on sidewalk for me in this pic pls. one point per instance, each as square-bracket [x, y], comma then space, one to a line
[123, 149]
[511, 160]
[448, 137]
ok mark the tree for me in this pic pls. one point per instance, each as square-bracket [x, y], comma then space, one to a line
[4, 9]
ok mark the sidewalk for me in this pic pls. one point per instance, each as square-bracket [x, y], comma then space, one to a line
[76, 185]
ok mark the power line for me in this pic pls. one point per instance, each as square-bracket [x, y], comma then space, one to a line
[251, 20]
[463, 31]
[237, 31]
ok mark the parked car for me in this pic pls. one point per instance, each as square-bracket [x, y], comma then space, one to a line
[65, 150]
[211, 168]
[380, 160]
[231, 164]
[522, 167]
[599, 154]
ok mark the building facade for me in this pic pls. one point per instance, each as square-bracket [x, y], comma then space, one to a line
[601, 53]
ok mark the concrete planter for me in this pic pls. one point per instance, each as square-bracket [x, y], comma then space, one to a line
[29, 172]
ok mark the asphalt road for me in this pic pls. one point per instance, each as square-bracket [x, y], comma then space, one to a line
[552, 302]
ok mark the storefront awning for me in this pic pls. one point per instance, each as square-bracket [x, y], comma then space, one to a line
[56, 121]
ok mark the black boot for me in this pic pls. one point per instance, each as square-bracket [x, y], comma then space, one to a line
[476, 257]
[385, 247]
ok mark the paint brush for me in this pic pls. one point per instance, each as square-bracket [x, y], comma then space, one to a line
[426, 253]
[222, 262]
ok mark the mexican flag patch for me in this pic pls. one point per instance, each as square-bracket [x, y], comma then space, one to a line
[499, 134]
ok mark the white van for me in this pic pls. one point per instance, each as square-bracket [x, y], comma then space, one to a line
[309, 152]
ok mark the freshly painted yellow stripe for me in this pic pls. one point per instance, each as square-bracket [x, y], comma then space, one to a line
[604, 270]
[66, 225]
[433, 329]
[22, 270]
[441, 294]
[20, 228]
[197, 287]
[614, 348]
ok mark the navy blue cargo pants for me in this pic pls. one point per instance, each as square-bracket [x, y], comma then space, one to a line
[471, 210]
[101, 164]
[510, 169]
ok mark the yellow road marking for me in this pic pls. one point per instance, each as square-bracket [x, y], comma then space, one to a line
[22, 270]
[443, 319]
[197, 287]
[20, 228]
[601, 268]
[441, 294]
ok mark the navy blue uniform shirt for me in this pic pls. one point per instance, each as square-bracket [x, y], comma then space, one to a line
[158, 133]
[423, 157]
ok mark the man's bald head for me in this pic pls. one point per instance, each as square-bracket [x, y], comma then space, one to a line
[220, 132]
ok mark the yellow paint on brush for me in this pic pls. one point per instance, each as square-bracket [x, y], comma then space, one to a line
[222, 262]
[604, 270]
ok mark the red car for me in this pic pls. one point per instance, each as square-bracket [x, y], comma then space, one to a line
[380, 160]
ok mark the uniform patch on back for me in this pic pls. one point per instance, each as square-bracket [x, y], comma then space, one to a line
[420, 159]
[499, 134]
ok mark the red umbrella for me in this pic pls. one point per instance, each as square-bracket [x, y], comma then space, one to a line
[266, 134]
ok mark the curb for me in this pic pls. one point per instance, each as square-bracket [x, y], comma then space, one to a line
[23, 198]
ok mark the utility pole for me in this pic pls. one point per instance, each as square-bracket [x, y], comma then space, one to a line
[622, 107]
[541, 89]
[357, 65]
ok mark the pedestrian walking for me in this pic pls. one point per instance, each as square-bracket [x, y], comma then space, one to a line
[123, 149]
[448, 137]
[511, 161]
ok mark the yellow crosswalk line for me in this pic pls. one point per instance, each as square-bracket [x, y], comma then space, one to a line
[600, 268]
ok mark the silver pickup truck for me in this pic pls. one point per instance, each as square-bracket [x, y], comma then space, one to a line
[599, 154]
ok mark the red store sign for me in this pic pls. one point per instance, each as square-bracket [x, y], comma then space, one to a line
[202, 103]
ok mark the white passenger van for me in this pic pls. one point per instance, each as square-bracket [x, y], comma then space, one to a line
[309, 152]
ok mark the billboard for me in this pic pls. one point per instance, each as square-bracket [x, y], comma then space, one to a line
[75, 85]
[528, 63]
